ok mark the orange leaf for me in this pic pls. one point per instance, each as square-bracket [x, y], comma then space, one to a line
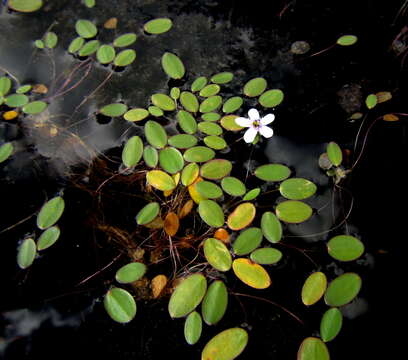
[111, 23]
[171, 224]
[223, 235]
[390, 117]
[186, 209]
[10, 115]
[159, 282]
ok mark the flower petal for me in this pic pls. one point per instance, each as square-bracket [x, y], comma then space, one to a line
[267, 119]
[253, 114]
[266, 131]
[241, 121]
[250, 134]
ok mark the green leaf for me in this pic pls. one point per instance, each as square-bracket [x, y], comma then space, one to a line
[125, 57]
[76, 44]
[89, 3]
[271, 98]
[371, 101]
[189, 101]
[331, 324]
[199, 83]
[242, 216]
[16, 100]
[125, 40]
[215, 302]
[254, 275]
[255, 87]
[233, 186]
[150, 156]
[266, 256]
[25, 6]
[89, 48]
[345, 248]
[50, 212]
[199, 154]
[164, 102]
[314, 288]
[187, 122]
[222, 78]
[5, 85]
[171, 160]
[334, 153]
[24, 89]
[106, 54]
[252, 194]
[297, 189]
[210, 90]
[271, 227]
[86, 29]
[187, 296]
[343, 289]
[193, 328]
[210, 128]
[232, 104]
[215, 142]
[347, 40]
[5, 151]
[313, 349]
[132, 151]
[120, 305]
[48, 238]
[211, 213]
[210, 104]
[155, 134]
[160, 180]
[158, 26]
[216, 169]
[136, 114]
[293, 212]
[189, 174]
[208, 190]
[247, 241]
[226, 345]
[51, 40]
[130, 273]
[183, 141]
[39, 44]
[272, 172]
[228, 123]
[26, 253]
[217, 254]
[155, 111]
[172, 66]
[148, 213]
[35, 107]
[113, 110]
[175, 93]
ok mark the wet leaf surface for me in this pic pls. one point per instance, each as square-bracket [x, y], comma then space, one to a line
[242, 216]
[271, 227]
[130, 272]
[345, 248]
[314, 287]
[293, 212]
[217, 255]
[227, 345]
[254, 275]
[120, 305]
[215, 302]
[48, 238]
[193, 328]
[211, 213]
[173, 66]
[247, 241]
[158, 26]
[148, 213]
[50, 212]
[313, 349]
[343, 289]
[26, 253]
[331, 324]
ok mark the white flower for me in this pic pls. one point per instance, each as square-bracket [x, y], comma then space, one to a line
[256, 124]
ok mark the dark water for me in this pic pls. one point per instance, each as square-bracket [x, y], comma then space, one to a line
[46, 313]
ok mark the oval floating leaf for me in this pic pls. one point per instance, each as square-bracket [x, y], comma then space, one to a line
[113, 110]
[150, 156]
[313, 349]
[232, 104]
[227, 345]
[189, 174]
[208, 190]
[125, 57]
[216, 169]
[171, 160]
[171, 224]
[222, 78]
[90, 3]
[371, 101]
[160, 180]
[187, 295]
[193, 328]
[271, 98]
[50, 40]
[331, 324]
[39, 44]
[16, 100]
[211, 116]
[255, 87]
[105, 54]
[314, 288]
[26, 253]
[189, 101]
[148, 213]
[272, 172]
[210, 90]
[183, 141]
[89, 48]
[217, 254]
[155, 134]
[120, 305]
[252, 194]
[347, 40]
[175, 93]
[158, 26]
[247, 241]
[76, 44]
[35, 107]
[345, 248]
[297, 189]
[211, 213]
[163, 102]
[86, 29]
[48, 238]
[210, 128]
[343, 289]
[266, 256]
[215, 302]
[271, 227]
[293, 212]
[187, 122]
[172, 66]
[125, 40]
[136, 114]
[252, 274]
[194, 194]
[199, 83]
[155, 111]
[132, 151]
[25, 6]
[334, 153]
[233, 186]
[210, 104]
[50, 212]
[24, 89]
[215, 142]
[130, 273]
[199, 154]
[5, 151]
[5, 85]
[242, 216]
